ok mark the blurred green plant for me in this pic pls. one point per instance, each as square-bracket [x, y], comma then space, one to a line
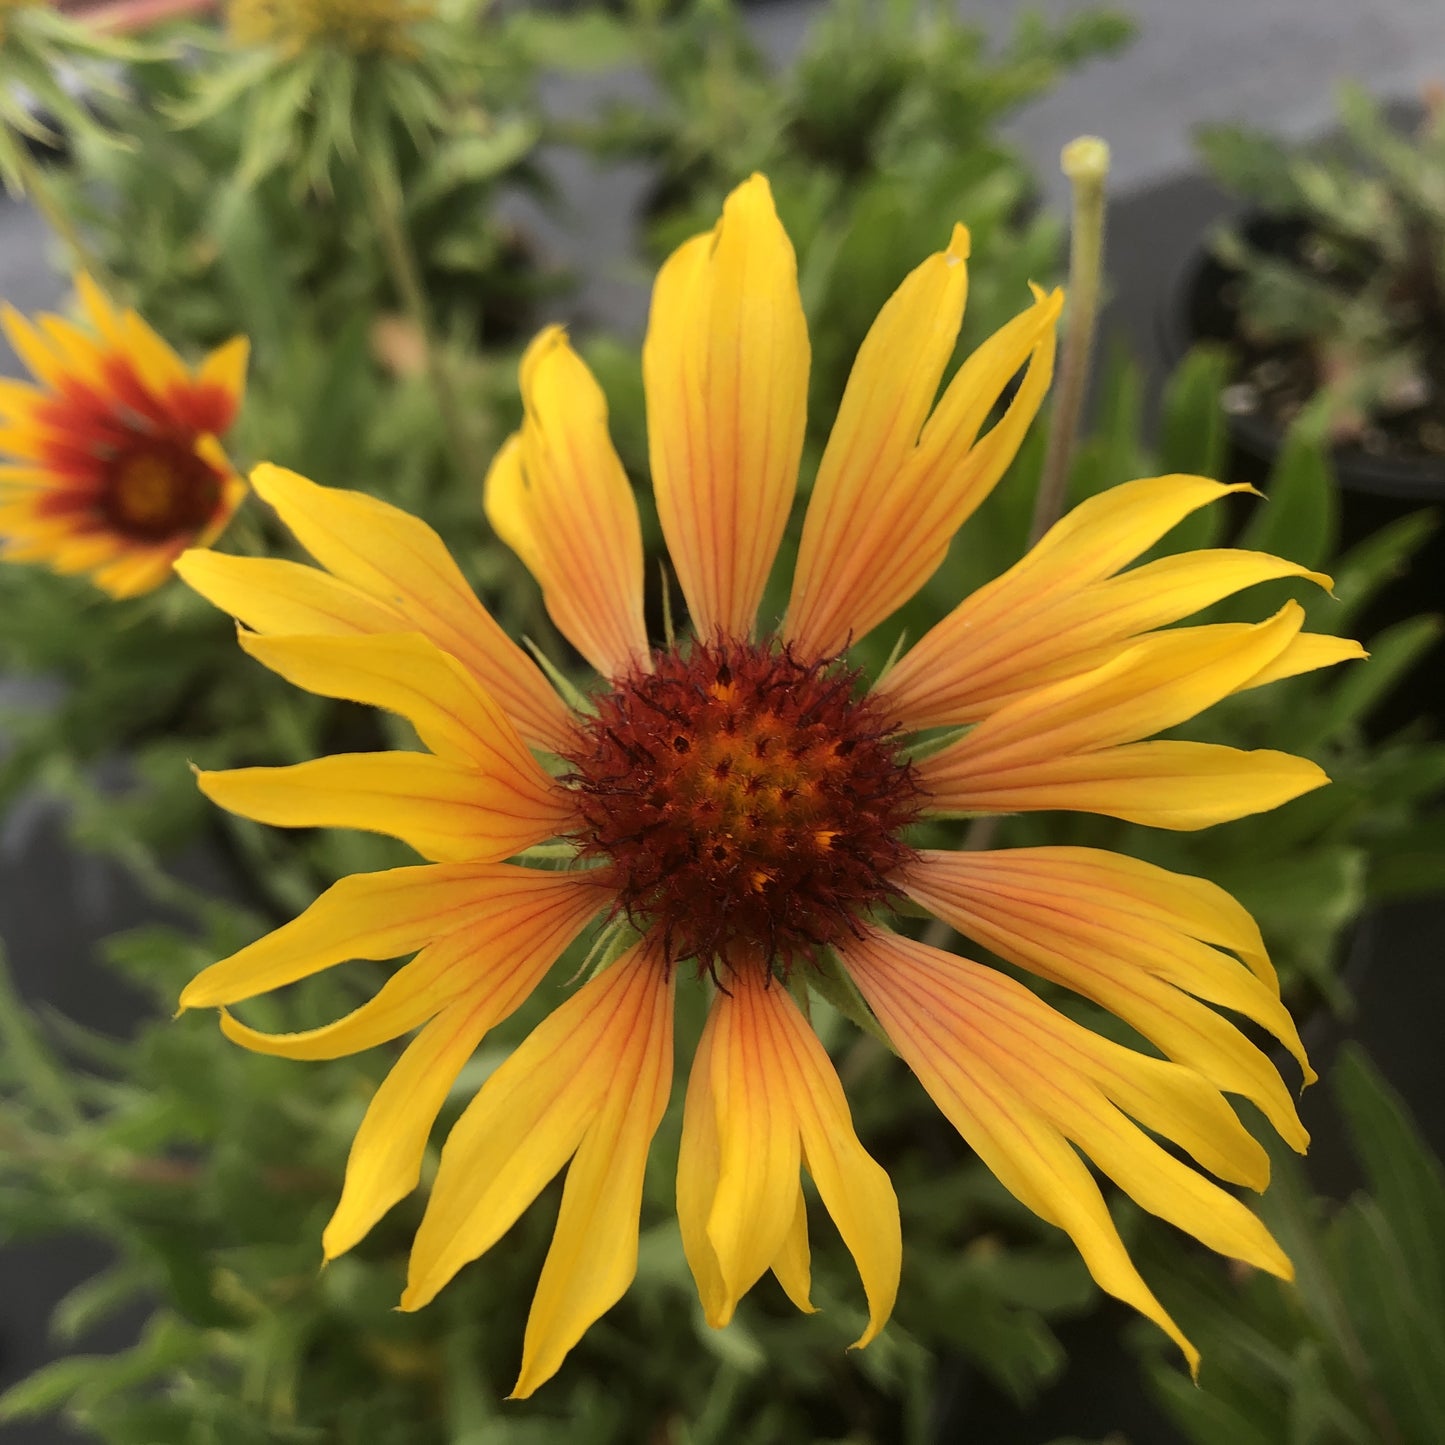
[1345, 297]
[1354, 1352]
[882, 132]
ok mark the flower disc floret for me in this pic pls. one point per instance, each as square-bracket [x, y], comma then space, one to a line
[158, 490]
[749, 803]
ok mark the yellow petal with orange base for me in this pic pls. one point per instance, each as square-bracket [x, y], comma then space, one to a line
[976, 1038]
[1069, 745]
[1028, 1154]
[449, 814]
[1177, 785]
[1011, 643]
[385, 1161]
[750, 1215]
[400, 562]
[501, 967]
[725, 367]
[366, 915]
[869, 542]
[593, 1256]
[1157, 682]
[557, 495]
[1055, 912]
[523, 921]
[891, 389]
[452, 714]
[761, 1075]
[591, 1080]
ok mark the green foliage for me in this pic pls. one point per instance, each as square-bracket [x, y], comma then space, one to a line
[1354, 280]
[38, 109]
[1354, 1352]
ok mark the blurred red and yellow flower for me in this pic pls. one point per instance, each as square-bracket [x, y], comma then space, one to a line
[116, 465]
[743, 802]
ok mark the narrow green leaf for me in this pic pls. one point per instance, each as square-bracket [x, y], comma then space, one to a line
[1299, 520]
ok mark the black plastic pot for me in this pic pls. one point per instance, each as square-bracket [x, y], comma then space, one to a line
[1198, 311]
[1374, 491]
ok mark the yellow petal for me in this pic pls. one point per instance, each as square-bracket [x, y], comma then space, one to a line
[725, 366]
[269, 596]
[1012, 907]
[593, 1257]
[1307, 653]
[854, 1188]
[520, 926]
[448, 814]
[1028, 1154]
[1015, 620]
[902, 532]
[386, 1156]
[759, 1153]
[982, 656]
[890, 391]
[133, 574]
[367, 915]
[1179, 785]
[697, 1175]
[532, 1114]
[225, 367]
[557, 495]
[452, 714]
[763, 1086]
[793, 1265]
[398, 561]
[33, 348]
[160, 369]
[1157, 682]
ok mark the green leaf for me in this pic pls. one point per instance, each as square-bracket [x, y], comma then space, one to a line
[831, 981]
[96, 1299]
[47, 1390]
[1251, 163]
[1359, 686]
[1369, 566]
[1299, 519]
[1193, 435]
[1405, 1178]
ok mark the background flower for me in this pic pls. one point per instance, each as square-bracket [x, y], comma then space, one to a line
[116, 464]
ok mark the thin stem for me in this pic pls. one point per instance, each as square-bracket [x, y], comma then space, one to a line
[1086, 163]
[36, 186]
[384, 193]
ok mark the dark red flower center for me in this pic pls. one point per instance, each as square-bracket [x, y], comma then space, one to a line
[159, 489]
[745, 800]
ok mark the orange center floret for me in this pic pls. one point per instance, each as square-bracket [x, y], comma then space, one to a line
[746, 801]
[159, 489]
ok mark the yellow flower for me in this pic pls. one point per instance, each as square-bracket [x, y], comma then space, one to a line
[745, 805]
[361, 26]
[116, 467]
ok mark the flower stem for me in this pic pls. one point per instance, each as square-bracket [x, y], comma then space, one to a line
[1085, 162]
[384, 193]
[37, 188]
